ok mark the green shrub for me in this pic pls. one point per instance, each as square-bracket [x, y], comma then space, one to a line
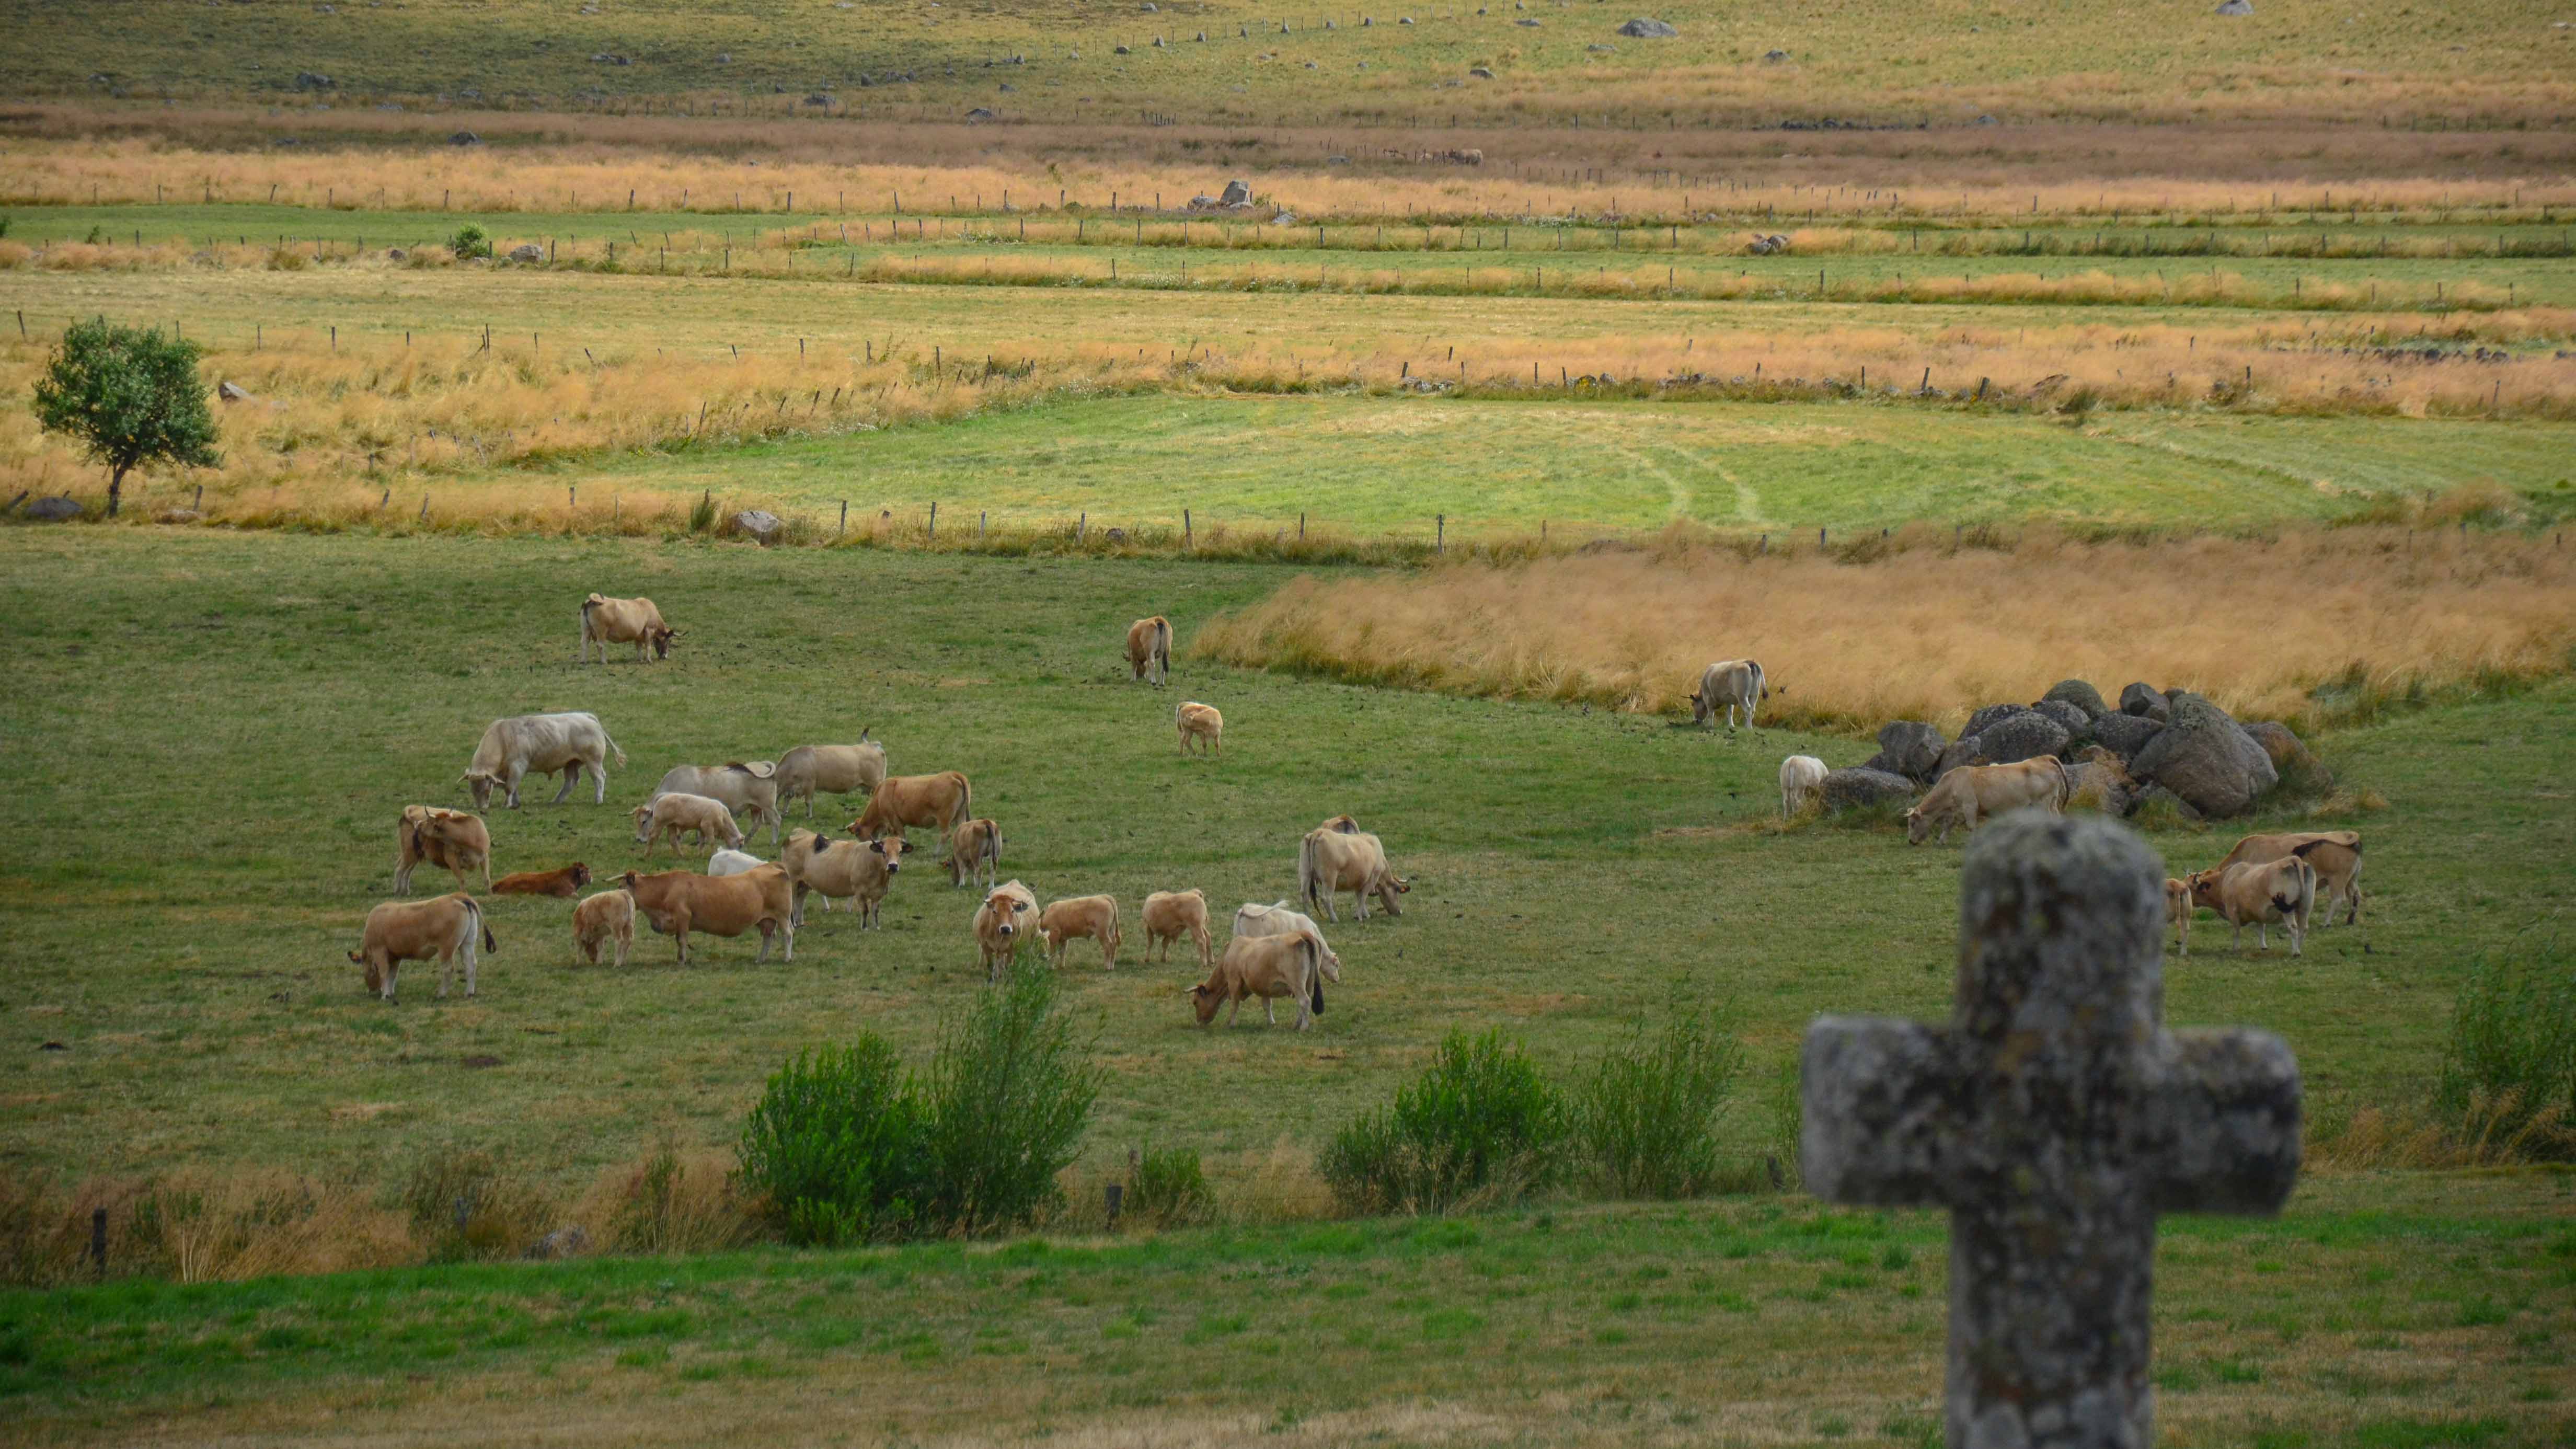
[1008, 1098]
[469, 243]
[1480, 1121]
[130, 396]
[1788, 1119]
[1646, 1120]
[702, 514]
[836, 1145]
[1169, 1188]
[2509, 1074]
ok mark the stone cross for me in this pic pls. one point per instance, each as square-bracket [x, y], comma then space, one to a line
[2054, 1117]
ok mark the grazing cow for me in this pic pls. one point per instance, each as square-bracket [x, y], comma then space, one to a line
[1202, 723]
[676, 902]
[1729, 684]
[1801, 776]
[1331, 861]
[607, 621]
[940, 802]
[1002, 926]
[2283, 890]
[1342, 824]
[1268, 967]
[857, 871]
[748, 788]
[451, 839]
[975, 853]
[1277, 919]
[563, 883]
[1092, 916]
[2335, 853]
[733, 862]
[1170, 915]
[443, 926]
[839, 769]
[607, 916]
[2178, 913]
[1974, 792]
[1149, 649]
[513, 748]
[672, 815]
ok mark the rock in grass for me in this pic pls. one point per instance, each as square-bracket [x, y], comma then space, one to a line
[2235, 7]
[2027, 735]
[1960, 751]
[527, 252]
[2145, 701]
[1992, 714]
[2207, 760]
[758, 523]
[1647, 28]
[2284, 747]
[1238, 192]
[2125, 734]
[1857, 788]
[1909, 748]
[2079, 694]
[54, 510]
[2069, 717]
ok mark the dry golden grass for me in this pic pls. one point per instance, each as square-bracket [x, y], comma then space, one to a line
[2493, 1134]
[1931, 631]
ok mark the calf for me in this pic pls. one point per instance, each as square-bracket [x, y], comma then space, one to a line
[450, 839]
[975, 853]
[676, 902]
[1268, 967]
[1972, 792]
[748, 788]
[2335, 853]
[857, 871]
[673, 815]
[1201, 723]
[1330, 861]
[607, 916]
[1002, 926]
[607, 621]
[1149, 649]
[563, 882]
[938, 802]
[2178, 913]
[1170, 915]
[2283, 890]
[733, 862]
[839, 769]
[1092, 916]
[443, 926]
[1801, 776]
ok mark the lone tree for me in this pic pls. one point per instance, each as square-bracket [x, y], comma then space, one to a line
[131, 395]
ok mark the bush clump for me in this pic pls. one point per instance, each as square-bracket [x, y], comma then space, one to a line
[469, 243]
[1169, 1188]
[2509, 1074]
[1646, 1120]
[1482, 1122]
[836, 1143]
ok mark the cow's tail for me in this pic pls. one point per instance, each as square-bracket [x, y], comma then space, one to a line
[474, 928]
[612, 745]
[965, 810]
[1308, 875]
[1163, 645]
[2302, 898]
[1313, 951]
[1761, 688]
[2065, 785]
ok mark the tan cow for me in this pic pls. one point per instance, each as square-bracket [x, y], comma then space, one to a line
[1170, 915]
[563, 882]
[1268, 967]
[975, 853]
[2335, 853]
[1730, 685]
[857, 871]
[748, 788]
[1202, 723]
[1975, 792]
[2178, 913]
[445, 927]
[1278, 919]
[676, 902]
[451, 839]
[1332, 861]
[1092, 916]
[607, 916]
[1149, 649]
[1002, 925]
[2283, 890]
[607, 621]
[940, 802]
[673, 815]
[838, 769]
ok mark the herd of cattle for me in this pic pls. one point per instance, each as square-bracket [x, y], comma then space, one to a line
[1275, 952]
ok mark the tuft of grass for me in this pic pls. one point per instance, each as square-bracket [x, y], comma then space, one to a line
[2509, 1074]
[1169, 1188]
[1482, 1123]
[1648, 1118]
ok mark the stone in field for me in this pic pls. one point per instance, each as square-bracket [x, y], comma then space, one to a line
[1647, 28]
[2208, 759]
[2079, 694]
[1909, 748]
[1850, 789]
[54, 510]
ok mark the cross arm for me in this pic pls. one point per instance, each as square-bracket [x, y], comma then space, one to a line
[2223, 1136]
[1876, 1124]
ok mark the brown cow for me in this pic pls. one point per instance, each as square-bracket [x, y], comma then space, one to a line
[562, 883]
[2335, 853]
[1149, 649]
[1170, 915]
[607, 916]
[1002, 925]
[1973, 792]
[609, 621]
[443, 926]
[1202, 723]
[1330, 861]
[1092, 916]
[1268, 967]
[676, 902]
[2178, 913]
[452, 839]
[857, 871]
[940, 802]
[975, 853]
[2283, 890]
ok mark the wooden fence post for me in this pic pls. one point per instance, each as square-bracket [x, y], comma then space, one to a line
[424, 508]
[98, 1242]
[845, 519]
[1301, 526]
[1440, 533]
[1114, 1198]
[1185, 529]
[1081, 526]
[934, 521]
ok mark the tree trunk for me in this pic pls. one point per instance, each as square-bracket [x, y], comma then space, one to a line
[115, 487]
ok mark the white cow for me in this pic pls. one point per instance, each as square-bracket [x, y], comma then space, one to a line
[541, 743]
[1281, 919]
[1729, 684]
[1801, 776]
[733, 862]
[748, 789]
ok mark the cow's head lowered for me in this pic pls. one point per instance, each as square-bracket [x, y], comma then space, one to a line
[662, 641]
[480, 782]
[643, 823]
[1918, 826]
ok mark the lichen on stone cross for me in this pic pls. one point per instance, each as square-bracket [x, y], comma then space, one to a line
[2055, 1117]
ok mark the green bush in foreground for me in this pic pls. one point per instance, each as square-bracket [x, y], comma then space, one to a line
[2509, 1074]
[1170, 1188]
[836, 1143]
[1646, 1120]
[1482, 1121]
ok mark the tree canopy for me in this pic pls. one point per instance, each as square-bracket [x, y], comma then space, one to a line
[131, 395]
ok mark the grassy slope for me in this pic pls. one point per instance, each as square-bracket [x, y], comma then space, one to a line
[2391, 1312]
[220, 729]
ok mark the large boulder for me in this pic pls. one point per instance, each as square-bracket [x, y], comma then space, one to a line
[2144, 701]
[2282, 746]
[1853, 789]
[2153, 795]
[2069, 716]
[2079, 694]
[54, 510]
[1958, 752]
[2207, 759]
[1237, 193]
[760, 524]
[527, 252]
[1909, 748]
[1991, 714]
[2101, 782]
[2024, 736]
[2125, 734]
[1647, 28]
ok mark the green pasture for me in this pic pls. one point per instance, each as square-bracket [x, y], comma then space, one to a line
[2419, 1311]
[211, 736]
